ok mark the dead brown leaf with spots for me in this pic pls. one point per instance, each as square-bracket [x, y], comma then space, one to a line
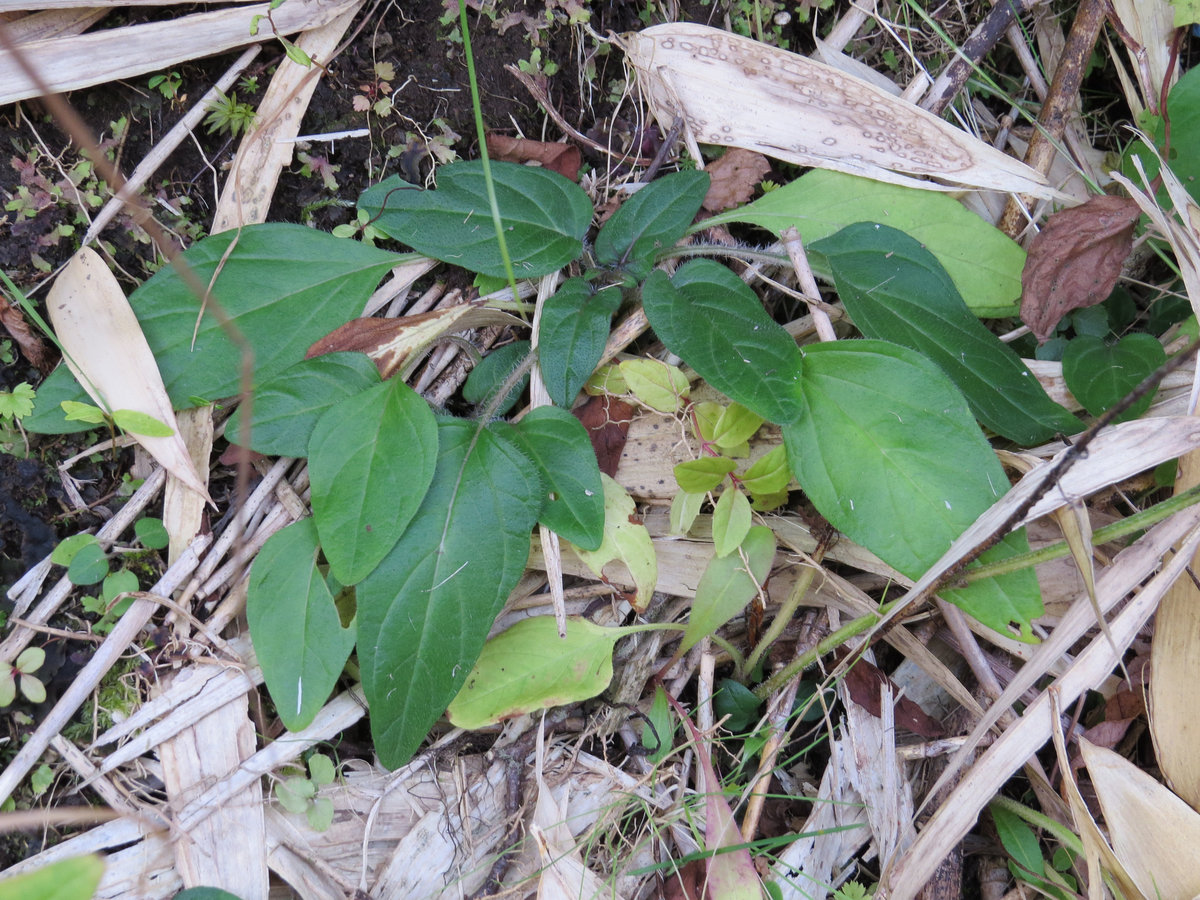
[1075, 260]
[733, 178]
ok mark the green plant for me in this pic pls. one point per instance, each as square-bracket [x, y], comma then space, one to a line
[534, 65]
[19, 675]
[167, 84]
[298, 794]
[226, 114]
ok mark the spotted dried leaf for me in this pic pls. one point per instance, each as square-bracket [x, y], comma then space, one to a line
[1075, 260]
[733, 178]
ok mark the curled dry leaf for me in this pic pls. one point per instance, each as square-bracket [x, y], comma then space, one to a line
[1075, 260]
[108, 354]
[864, 680]
[733, 178]
[565, 159]
[31, 344]
[607, 422]
[737, 92]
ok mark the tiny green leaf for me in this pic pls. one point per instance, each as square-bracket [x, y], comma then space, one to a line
[731, 520]
[529, 667]
[544, 217]
[135, 422]
[68, 547]
[650, 221]
[30, 660]
[656, 384]
[371, 459]
[735, 426]
[769, 475]
[320, 814]
[728, 584]
[1100, 374]
[710, 318]
[82, 412]
[287, 407]
[658, 735]
[118, 583]
[294, 625]
[736, 704]
[17, 403]
[293, 794]
[684, 509]
[320, 769]
[151, 533]
[572, 333]
[699, 476]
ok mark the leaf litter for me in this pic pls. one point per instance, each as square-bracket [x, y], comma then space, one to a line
[366, 792]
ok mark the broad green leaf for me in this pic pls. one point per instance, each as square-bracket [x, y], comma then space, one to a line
[561, 450]
[659, 386]
[492, 372]
[650, 221]
[118, 583]
[529, 667]
[710, 318]
[1184, 104]
[286, 407]
[728, 584]
[1099, 374]
[282, 286]
[685, 507]
[320, 814]
[889, 453]
[699, 476]
[735, 426]
[151, 532]
[139, 423]
[1018, 839]
[769, 475]
[984, 264]
[425, 612]
[731, 520]
[65, 551]
[298, 638]
[626, 541]
[30, 660]
[371, 459]
[896, 290]
[736, 704]
[572, 332]
[89, 565]
[75, 878]
[544, 217]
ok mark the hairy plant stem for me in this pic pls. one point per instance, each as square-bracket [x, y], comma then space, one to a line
[832, 642]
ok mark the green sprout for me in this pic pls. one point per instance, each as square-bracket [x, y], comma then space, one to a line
[20, 675]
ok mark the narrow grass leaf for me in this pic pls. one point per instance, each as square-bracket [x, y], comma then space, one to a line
[889, 453]
[650, 221]
[425, 612]
[572, 332]
[294, 626]
[544, 217]
[371, 460]
[728, 584]
[529, 667]
[896, 290]
[710, 318]
[558, 445]
[287, 407]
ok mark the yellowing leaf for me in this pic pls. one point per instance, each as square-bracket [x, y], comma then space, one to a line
[624, 540]
[654, 383]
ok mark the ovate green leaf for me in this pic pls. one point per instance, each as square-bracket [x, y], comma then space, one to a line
[659, 386]
[544, 217]
[424, 613]
[684, 509]
[889, 453]
[626, 541]
[1100, 374]
[140, 423]
[984, 264]
[529, 667]
[728, 584]
[731, 520]
[286, 407]
[735, 426]
[572, 332]
[896, 290]
[710, 318]
[699, 476]
[769, 475]
[559, 447]
[371, 459]
[650, 221]
[298, 638]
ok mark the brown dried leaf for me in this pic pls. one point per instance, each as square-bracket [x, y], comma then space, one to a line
[863, 682]
[1075, 260]
[607, 422]
[733, 178]
[31, 344]
[565, 159]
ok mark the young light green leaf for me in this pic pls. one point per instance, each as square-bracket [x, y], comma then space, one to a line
[559, 447]
[650, 221]
[710, 318]
[685, 507]
[17, 403]
[728, 584]
[89, 565]
[151, 532]
[769, 475]
[65, 552]
[424, 613]
[1100, 374]
[731, 520]
[74, 411]
[294, 794]
[984, 264]
[706, 414]
[135, 422]
[286, 407]
[73, 878]
[626, 541]
[889, 453]
[572, 332]
[735, 426]
[699, 476]
[294, 625]
[896, 290]
[371, 459]
[529, 667]
[656, 384]
[320, 769]
[544, 217]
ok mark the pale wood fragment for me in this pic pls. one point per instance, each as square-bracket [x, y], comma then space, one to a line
[51, 23]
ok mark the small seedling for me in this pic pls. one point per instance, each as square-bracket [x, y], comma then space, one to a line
[227, 114]
[167, 84]
[298, 795]
[20, 676]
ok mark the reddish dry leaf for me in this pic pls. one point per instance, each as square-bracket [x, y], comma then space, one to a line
[31, 344]
[1075, 260]
[565, 159]
[863, 682]
[733, 178]
[607, 422]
